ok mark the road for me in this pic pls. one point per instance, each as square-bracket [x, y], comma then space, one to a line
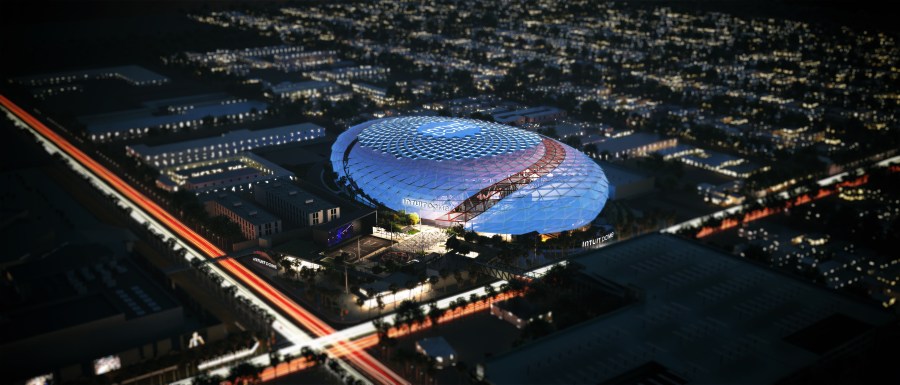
[824, 182]
[148, 211]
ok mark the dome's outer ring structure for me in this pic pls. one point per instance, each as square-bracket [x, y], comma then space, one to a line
[489, 177]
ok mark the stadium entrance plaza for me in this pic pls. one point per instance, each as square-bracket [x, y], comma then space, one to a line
[375, 250]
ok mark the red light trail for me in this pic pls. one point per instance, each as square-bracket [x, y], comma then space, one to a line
[376, 370]
[767, 211]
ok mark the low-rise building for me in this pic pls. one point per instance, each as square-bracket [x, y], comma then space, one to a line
[294, 204]
[344, 76]
[438, 350]
[131, 74]
[624, 183]
[519, 312]
[253, 220]
[302, 90]
[372, 92]
[229, 173]
[171, 115]
[534, 115]
[633, 145]
[228, 144]
[722, 163]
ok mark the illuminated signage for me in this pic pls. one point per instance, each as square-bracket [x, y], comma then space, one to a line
[107, 364]
[264, 262]
[449, 129]
[45, 379]
[434, 206]
[598, 241]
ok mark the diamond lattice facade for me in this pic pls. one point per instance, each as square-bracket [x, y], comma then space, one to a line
[489, 177]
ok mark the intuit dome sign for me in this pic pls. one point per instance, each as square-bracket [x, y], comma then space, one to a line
[489, 177]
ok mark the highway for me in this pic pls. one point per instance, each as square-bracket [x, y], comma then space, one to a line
[190, 240]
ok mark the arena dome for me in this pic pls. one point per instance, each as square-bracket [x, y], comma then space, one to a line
[492, 178]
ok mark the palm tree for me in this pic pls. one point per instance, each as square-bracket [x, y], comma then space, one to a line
[393, 288]
[434, 314]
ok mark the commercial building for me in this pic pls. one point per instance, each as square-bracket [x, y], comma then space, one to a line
[228, 144]
[231, 173]
[294, 204]
[702, 316]
[343, 76]
[438, 350]
[253, 221]
[726, 164]
[624, 183]
[302, 90]
[542, 114]
[485, 103]
[486, 176]
[281, 57]
[372, 92]
[170, 114]
[633, 145]
[519, 312]
[131, 74]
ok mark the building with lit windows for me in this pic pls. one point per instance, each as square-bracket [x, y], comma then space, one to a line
[372, 92]
[233, 173]
[227, 144]
[489, 177]
[294, 204]
[542, 114]
[132, 74]
[170, 115]
[302, 90]
[634, 145]
[253, 221]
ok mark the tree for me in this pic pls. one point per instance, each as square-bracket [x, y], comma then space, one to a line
[206, 379]
[286, 265]
[435, 313]
[453, 243]
[244, 370]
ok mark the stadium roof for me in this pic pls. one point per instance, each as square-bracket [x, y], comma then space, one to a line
[489, 177]
[427, 137]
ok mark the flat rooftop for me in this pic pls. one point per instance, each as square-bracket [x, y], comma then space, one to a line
[618, 176]
[132, 73]
[704, 315]
[301, 86]
[236, 169]
[436, 346]
[627, 142]
[297, 195]
[236, 136]
[508, 116]
[177, 110]
[245, 209]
